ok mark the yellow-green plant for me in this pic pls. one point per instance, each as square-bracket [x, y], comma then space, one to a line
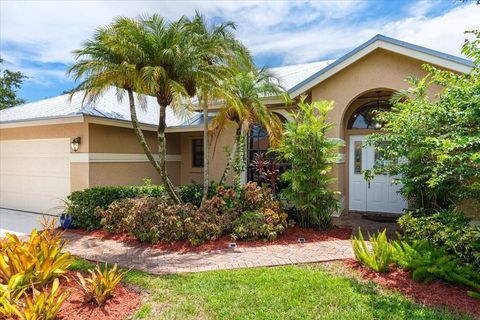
[37, 261]
[41, 305]
[379, 257]
[8, 308]
[99, 286]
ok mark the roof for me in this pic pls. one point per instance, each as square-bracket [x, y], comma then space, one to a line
[380, 41]
[292, 75]
[107, 106]
[296, 79]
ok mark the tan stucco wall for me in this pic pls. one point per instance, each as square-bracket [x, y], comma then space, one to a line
[116, 140]
[218, 158]
[379, 69]
[79, 176]
[57, 131]
[129, 173]
[109, 139]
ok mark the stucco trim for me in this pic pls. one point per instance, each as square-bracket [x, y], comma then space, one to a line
[118, 157]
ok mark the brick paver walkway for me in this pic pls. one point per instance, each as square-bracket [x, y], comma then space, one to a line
[159, 261]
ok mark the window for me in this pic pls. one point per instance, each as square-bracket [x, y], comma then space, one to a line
[357, 158]
[197, 153]
[259, 143]
[364, 117]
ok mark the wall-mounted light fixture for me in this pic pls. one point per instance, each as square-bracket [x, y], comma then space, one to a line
[75, 143]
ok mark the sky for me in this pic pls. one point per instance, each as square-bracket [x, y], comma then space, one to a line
[38, 37]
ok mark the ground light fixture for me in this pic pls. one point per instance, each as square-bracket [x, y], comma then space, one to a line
[75, 143]
[232, 245]
[301, 240]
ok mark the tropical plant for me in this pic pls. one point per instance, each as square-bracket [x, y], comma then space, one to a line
[267, 170]
[428, 262]
[379, 257]
[312, 154]
[150, 56]
[220, 49]
[100, 284]
[37, 261]
[248, 85]
[434, 142]
[117, 56]
[42, 305]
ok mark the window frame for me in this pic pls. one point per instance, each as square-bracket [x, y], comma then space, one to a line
[196, 153]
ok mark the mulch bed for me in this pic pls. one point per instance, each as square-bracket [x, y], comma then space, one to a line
[123, 303]
[289, 237]
[436, 293]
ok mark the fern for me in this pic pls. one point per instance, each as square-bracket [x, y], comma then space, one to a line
[377, 259]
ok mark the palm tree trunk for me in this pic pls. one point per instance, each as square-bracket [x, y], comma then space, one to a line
[231, 157]
[206, 170]
[139, 133]
[162, 154]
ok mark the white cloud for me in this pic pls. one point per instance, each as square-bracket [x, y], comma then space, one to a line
[302, 31]
[443, 33]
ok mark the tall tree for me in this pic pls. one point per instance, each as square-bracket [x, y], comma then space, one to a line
[116, 56]
[220, 49]
[10, 82]
[249, 85]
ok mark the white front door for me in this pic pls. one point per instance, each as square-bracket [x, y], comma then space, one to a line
[378, 195]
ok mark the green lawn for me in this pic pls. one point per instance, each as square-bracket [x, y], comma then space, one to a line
[290, 292]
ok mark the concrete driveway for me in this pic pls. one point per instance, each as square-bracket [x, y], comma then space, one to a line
[18, 222]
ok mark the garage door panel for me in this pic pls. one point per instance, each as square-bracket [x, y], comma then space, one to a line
[30, 166]
[34, 184]
[35, 174]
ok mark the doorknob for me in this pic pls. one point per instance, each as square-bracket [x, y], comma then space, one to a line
[368, 184]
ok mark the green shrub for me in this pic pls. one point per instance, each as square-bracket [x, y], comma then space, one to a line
[149, 219]
[211, 221]
[254, 197]
[261, 224]
[82, 205]
[153, 219]
[377, 259]
[446, 228]
[192, 193]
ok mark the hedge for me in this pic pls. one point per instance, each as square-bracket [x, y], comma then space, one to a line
[82, 205]
[446, 228]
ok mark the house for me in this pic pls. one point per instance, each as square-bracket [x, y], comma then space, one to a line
[39, 166]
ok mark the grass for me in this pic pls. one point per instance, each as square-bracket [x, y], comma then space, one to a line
[290, 292]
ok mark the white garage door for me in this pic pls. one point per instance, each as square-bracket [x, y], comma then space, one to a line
[34, 174]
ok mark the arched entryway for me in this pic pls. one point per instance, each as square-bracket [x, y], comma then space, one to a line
[379, 194]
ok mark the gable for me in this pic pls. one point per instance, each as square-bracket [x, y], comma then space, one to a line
[380, 42]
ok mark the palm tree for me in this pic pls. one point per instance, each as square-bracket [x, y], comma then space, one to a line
[249, 85]
[115, 57]
[221, 49]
